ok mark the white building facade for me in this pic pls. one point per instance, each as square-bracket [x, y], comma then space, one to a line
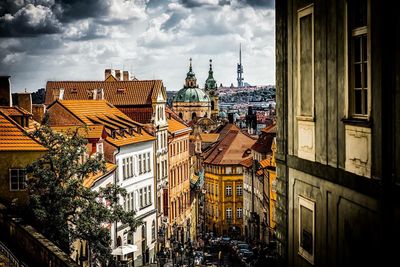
[135, 174]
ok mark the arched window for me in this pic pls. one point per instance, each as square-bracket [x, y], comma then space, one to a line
[194, 115]
[212, 104]
[180, 115]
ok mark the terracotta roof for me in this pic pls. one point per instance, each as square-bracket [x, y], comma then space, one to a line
[270, 129]
[116, 92]
[174, 126]
[13, 137]
[209, 137]
[15, 111]
[100, 112]
[247, 162]
[139, 114]
[233, 148]
[92, 131]
[92, 178]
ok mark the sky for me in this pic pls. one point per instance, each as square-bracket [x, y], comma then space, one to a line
[42, 40]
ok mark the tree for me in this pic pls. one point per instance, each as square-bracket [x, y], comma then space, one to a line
[62, 207]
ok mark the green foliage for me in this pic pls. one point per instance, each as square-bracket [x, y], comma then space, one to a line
[63, 208]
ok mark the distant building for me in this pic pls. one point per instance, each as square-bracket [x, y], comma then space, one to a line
[224, 181]
[178, 196]
[191, 102]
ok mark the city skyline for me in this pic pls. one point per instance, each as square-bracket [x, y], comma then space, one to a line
[55, 40]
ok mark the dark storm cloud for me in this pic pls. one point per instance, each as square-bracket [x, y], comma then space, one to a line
[19, 18]
[260, 3]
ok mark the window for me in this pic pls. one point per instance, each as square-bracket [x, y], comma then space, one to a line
[149, 195]
[305, 61]
[144, 163]
[141, 198]
[359, 71]
[229, 213]
[132, 201]
[239, 190]
[99, 148]
[124, 169]
[140, 164]
[153, 230]
[306, 229]
[145, 196]
[17, 179]
[216, 212]
[148, 162]
[228, 190]
[132, 166]
[239, 212]
[216, 189]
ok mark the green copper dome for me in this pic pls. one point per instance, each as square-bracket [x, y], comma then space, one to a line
[191, 95]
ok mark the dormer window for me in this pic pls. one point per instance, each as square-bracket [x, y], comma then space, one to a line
[120, 90]
[99, 148]
[74, 90]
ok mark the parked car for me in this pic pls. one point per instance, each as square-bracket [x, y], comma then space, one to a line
[225, 241]
[242, 246]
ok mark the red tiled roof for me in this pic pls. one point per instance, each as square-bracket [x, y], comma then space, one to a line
[14, 138]
[15, 111]
[233, 148]
[139, 114]
[92, 178]
[116, 92]
[247, 162]
[101, 112]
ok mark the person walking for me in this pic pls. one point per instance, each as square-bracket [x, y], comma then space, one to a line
[221, 258]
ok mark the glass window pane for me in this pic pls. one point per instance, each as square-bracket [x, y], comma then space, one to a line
[365, 75]
[357, 101]
[357, 49]
[357, 13]
[306, 229]
[365, 47]
[365, 101]
[357, 76]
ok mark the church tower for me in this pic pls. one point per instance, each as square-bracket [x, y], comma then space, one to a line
[212, 90]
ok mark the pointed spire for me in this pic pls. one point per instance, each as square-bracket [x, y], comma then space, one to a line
[210, 64]
[190, 66]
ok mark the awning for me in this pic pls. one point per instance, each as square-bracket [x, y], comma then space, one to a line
[124, 249]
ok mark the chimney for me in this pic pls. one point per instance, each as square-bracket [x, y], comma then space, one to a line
[25, 101]
[5, 91]
[107, 73]
[61, 95]
[230, 117]
[125, 75]
[118, 75]
[38, 111]
[94, 92]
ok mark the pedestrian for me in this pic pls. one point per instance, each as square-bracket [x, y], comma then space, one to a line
[220, 258]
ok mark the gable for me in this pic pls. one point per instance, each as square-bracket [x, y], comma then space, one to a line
[60, 116]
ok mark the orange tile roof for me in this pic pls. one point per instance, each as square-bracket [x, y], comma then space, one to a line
[116, 92]
[13, 137]
[92, 178]
[174, 126]
[247, 162]
[233, 148]
[270, 129]
[209, 137]
[101, 112]
[92, 131]
[15, 111]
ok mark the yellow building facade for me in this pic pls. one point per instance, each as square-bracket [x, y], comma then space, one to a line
[224, 182]
[178, 200]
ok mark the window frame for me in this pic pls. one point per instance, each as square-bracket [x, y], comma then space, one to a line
[303, 12]
[226, 190]
[308, 204]
[18, 179]
[349, 69]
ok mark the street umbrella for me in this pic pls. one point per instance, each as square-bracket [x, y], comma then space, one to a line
[124, 249]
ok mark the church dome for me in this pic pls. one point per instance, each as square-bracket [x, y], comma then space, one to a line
[223, 114]
[190, 95]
